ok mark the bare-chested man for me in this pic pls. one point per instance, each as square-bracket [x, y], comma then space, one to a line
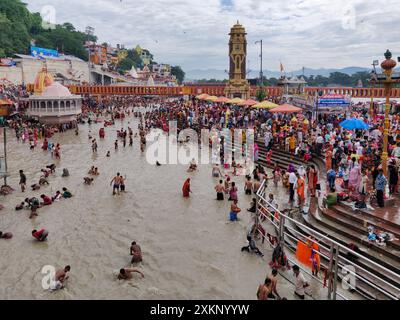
[248, 185]
[117, 183]
[62, 274]
[136, 253]
[220, 189]
[264, 290]
[126, 273]
[274, 282]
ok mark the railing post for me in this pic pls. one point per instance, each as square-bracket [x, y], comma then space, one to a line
[282, 230]
[335, 275]
[330, 268]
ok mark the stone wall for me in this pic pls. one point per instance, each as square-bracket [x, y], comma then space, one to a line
[13, 74]
[27, 69]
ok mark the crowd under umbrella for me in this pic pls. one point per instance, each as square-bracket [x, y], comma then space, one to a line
[354, 124]
[265, 105]
[286, 108]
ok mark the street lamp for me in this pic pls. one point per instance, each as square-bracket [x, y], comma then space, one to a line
[373, 73]
[387, 78]
[261, 63]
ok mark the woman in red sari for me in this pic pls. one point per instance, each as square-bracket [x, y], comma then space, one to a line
[186, 188]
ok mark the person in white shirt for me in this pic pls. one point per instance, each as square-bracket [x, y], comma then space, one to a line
[292, 182]
[300, 283]
[396, 151]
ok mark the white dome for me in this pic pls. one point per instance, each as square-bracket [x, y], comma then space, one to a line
[56, 90]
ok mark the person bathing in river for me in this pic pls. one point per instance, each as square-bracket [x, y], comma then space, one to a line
[248, 185]
[216, 172]
[186, 188]
[126, 273]
[220, 189]
[192, 166]
[136, 253]
[233, 192]
[117, 183]
[234, 211]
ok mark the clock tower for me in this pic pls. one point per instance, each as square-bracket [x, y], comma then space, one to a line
[237, 87]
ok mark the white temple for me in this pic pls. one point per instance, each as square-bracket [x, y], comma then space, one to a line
[55, 104]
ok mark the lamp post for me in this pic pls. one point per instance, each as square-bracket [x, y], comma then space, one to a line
[261, 63]
[371, 108]
[388, 78]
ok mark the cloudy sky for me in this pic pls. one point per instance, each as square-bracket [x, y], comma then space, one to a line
[193, 33]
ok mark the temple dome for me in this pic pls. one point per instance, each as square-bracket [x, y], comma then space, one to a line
[43, 79]
[56, 90]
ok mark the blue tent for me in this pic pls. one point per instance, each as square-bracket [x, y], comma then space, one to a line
[352, 124]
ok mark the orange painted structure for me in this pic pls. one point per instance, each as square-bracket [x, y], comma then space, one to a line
[218, 90]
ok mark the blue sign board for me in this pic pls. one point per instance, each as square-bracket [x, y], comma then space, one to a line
[42, 52]
[333, 103]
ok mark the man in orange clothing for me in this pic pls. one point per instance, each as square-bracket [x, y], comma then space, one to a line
[292, 143]
[300, 186]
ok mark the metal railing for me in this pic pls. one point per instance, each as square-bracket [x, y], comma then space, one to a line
[335, 253]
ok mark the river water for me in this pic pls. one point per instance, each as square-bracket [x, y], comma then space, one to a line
[190, 250]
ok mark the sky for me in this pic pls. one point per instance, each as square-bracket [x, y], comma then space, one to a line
[194, 33]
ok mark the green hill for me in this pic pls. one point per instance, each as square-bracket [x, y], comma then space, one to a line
[19, 27]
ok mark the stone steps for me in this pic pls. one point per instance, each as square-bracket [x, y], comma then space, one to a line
[358, 232]
[369, 215]
[367, 219]
[324, 226]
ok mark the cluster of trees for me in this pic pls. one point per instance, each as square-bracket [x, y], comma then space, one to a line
[211, 81]
[20, 28]
[339, 78]
[133, 59]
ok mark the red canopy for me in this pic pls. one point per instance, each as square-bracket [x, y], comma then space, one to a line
[286, 108]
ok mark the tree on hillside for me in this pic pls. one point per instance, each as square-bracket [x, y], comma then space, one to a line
[178, 73]
[135, 58]
[125, 65]
[18, 27]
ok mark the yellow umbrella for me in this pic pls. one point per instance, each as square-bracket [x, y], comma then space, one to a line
[235, 101]
[265, 105]
[211, 98]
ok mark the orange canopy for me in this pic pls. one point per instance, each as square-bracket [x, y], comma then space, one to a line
[249, 102]
[202, 96]
[222, 100]
[286, 108]
[5, 102]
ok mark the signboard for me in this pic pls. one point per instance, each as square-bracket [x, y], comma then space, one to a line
[6, 62]
[303, 101]
[42, 52]
[333, 100]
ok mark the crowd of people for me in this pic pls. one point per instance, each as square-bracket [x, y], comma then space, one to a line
[353, 159]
